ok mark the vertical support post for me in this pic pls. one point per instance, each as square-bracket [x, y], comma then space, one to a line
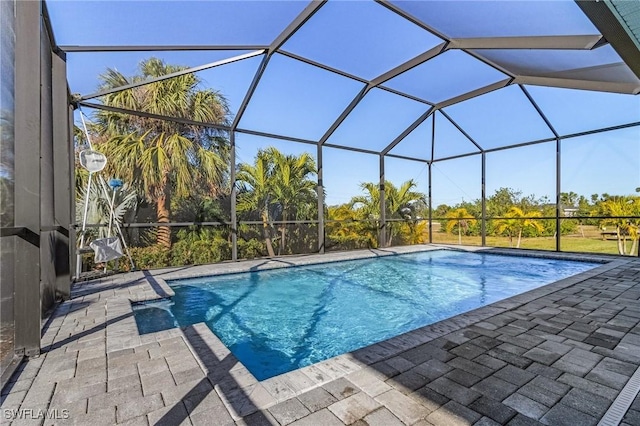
[558, 190]
[320, 190]
[73, 235]
[63, 191]
[48, 235]
[232, 180]
[27, 177]
[382, 237]
[430, 205]
[483, 220]
[433, 149]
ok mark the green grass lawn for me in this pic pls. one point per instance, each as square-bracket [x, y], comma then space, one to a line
[586, 244]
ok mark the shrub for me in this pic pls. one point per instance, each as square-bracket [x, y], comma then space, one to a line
[150, 257]
[198, 252]
[251, 249]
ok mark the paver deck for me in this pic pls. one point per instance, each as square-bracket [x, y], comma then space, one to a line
[557, 355]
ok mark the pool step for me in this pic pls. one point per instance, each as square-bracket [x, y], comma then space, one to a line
[156, 288]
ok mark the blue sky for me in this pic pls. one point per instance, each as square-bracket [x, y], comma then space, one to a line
[365, 39]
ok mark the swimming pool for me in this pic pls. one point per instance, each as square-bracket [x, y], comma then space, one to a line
[280, 320]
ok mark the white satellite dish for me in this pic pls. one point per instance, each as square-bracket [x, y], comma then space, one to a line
[93, 161]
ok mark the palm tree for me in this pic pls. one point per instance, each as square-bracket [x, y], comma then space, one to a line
[275, 183]
[515, 221]
[459, 219]
[291, 185]
[255, 194]
[368, 205]
[344, 228]
[400, 203]
[162, 158]
[625, 227]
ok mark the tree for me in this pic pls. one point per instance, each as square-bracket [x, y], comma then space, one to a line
[276, 184]
[499, 203]
[255, 192]
[515, 221]
[459, 219]
[400, 203]
[367, 205]
[441, 211]
[291, 185]
[345, 228]
[618, 207]
[160, 158]
[568, 199]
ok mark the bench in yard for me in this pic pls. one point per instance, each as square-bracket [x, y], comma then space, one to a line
[609, 235]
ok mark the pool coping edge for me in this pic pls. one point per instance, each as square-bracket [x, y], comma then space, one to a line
[263, 394]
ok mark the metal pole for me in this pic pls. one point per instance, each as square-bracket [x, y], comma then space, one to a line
[382, 237]
[63, 191]
[558, 190]
[84, 127]
[86, 200]
[73, 234]
[84, 227]
[433, 148]
[430, 207]
[232, 179]
[172, 75]
[320, 190]
[111, 206]
[483, 220]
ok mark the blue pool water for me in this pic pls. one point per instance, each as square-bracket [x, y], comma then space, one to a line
[280, 320]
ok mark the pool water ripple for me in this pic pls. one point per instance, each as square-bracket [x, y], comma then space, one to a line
[280, 320]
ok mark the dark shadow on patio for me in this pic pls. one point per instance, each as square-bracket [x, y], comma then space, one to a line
[220, 379]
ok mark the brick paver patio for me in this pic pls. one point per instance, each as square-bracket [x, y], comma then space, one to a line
[558, 355]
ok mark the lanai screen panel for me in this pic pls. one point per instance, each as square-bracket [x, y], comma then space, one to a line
[602, 64]
[572, 111]
[450, 141]
[500, 118]
[360, 38]
[529, 171]
[296, 99]
[449, 74]
[362, 75]
[417, 144]
[457, 19]
[363, 42]
[231, 80]
[399, 171]
[290, 197]
[342, 181]
[614, 157]
[377, 120]
[171, 22]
